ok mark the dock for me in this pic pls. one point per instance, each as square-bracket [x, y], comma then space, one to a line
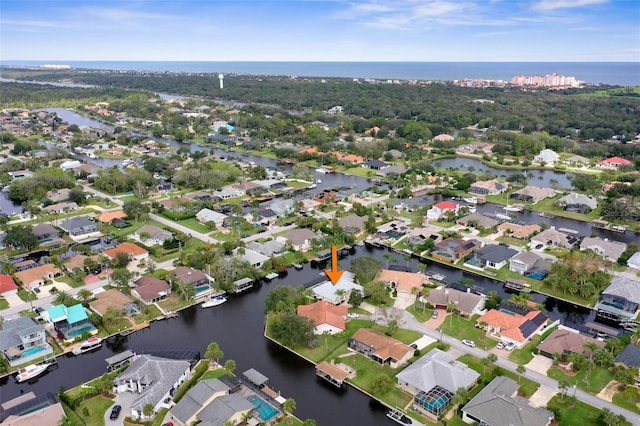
[119, 360]
[517, 285]
[434, 276]
[603, 224]
[331, 374]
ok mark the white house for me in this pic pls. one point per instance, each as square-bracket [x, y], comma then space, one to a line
[252, 257]
[339, 292]
[634, 261]
[208, 215]
[547, 156]
[439, 210]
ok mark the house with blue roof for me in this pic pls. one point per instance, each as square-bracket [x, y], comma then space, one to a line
[69, 322]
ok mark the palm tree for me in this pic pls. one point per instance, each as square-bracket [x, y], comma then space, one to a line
[389, 258]
[85, 295]
[461, 396]
[289, 406]
[488, 361]
[214, 353]
[147, 410]
[520, 370]
[592, 347]
[563, 385]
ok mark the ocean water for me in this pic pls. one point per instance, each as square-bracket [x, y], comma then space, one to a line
[614, 73]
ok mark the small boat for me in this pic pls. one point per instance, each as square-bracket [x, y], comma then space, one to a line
[470, 200]
[547, 215]
[170, 314]
[271, 276]
[297, 266]
[472, 208]
[513, 208]
[34, 370]
[88, 345]
[318, 181]
[126, 332]
[323, 171]
[214, 301]
[503, 216]
[400, 417]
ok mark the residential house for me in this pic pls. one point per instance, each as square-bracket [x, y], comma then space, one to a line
[443, 137]
[487, 187]
[80, 228]
[493, 256]
[46, 234]
[152, 235]
[577, 160]
[442, 209]
[134, 252]
[629, 356]
[375, 165]
[349, 158]
[8, 286]
[327, 317]
[23, 340]
[527, 262]
[402, 281]
[89, 170]
[70, 165]
[634, 261]
[108, 217]
[299, 239]
[518, 231]
[551, 237]
[151, 290]
[19, 174]
[609, 250]
[58, 195]
[392, 171]
[155, 380]
[339, 292]
[433, 380]
[269, 184]
[271, 248]
[380, 348]
[35, 277]
[513, 327]
[578, 203]
[186, 412]
[264, 216]
[226, 409]
[498, 403]
[208, 215]
[246, 188]
[620, 299]
[532, 194]
[114, 298]
[201, 283]
[50, 413]
[477, 220]
[283, 208]
[613, 163]
[565, 341]
[253, 258]
[454, 249]
[60, 208]
[353, 224]
[419, 236]
[230, 192]
[466, 303]
[547, 156]
[69, 322]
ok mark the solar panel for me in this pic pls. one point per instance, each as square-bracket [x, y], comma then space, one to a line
[528, 328]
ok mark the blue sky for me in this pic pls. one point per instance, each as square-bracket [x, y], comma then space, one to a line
[320, 30]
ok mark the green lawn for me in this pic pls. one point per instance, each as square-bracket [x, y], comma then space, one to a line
[461, 328]
[330, 344]
[69, 281]
[173, 302]
[289, 421]
[527, 386]
[419, 313]
[3, 303]
[581, 414]
[598, 379]
[215, 374]
[25, 295]
[195, 224]
[96, 407]
[525, 354]
[629, 398]
[152, 312]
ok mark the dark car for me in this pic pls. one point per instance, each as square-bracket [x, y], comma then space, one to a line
[115, 412]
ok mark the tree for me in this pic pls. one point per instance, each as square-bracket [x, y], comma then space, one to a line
[563, 385]
[135, 209]
[355, 298]
[289, 406]
[282, 298]
[520, 370]
[230, 365]
[85, 295]
[214, 353]
[21, 237]
[365, 268]
[488, 361]
[392, 327]
[147, 410]
[121, 260]
[121, 277]
[461, 396]
[381, 385]
[292, 330]
[309, 422]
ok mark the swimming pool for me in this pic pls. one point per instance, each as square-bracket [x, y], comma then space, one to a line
[78, 332]
[32, 351]
[264, 410]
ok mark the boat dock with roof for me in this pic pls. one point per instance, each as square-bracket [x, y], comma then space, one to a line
[332, 374]
[119, 360]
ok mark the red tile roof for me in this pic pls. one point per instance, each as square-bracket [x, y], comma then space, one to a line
[615, 161]
[446, 205]
[324, 313]
[126, 247]
[7, 284]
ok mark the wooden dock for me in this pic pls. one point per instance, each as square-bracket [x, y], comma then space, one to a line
[331, 374]
[517, 285]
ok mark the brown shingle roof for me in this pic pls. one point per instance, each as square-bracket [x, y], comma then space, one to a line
[384, 346]
[564, 341]
[109, 298]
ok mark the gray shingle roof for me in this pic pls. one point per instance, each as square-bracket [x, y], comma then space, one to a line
[76, 222]
[13, 329]
[221, 409]
[625, 288]
[255, 377]
[629, 356]
[196, 397]
[495, 253]
[496, 405]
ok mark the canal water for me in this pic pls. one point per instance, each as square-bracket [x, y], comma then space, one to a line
[238, 327]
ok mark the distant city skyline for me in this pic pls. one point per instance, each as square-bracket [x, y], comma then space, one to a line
[321, 30]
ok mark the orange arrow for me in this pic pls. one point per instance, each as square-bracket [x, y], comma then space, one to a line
[333, 274]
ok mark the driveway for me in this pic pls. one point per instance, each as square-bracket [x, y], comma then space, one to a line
[13, 299]
[542, 396]
[404, 300]
[540, 364]
[124, 400]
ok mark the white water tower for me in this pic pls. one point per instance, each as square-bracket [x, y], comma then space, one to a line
[221, 77]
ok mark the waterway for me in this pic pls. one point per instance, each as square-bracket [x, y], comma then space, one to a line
[238, 327]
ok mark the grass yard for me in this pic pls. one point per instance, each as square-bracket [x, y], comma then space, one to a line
[330, 344]
[3, 303]
[117, 325]
[195, 224]
[198, 371]
[628, 398]
[95, 407]
[70, 282]
[215, 374]
[525, 354]
[148, 313]
[598, 379]
[582, 414]
[419, 313]
[405, 336]
[527, 386]
[289, 421]
[173, 302]
[461, 328]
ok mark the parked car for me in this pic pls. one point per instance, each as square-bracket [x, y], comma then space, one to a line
[115, 412]
[434, 314]
[353, 315]
[510, 346]
[469, 343]
[500, 345]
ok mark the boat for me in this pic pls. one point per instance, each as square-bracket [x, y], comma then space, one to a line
[297, 265]
[271, 276]
[547, 215]
[400, 417]
[513, 208]
[470, 200]
[170, 314]
[323, 171]
[503, 216]
[88, 345]
[126, 332]
[472, 208]
[214, 301]
[34, 370]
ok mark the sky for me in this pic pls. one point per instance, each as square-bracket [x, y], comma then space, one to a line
[320, 30]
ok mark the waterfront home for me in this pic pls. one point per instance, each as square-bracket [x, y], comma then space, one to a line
[380, 348]
[493, 256]
[155, 380]
[183, 275]
[299, 239]
[609, 250]
[547, 156]
[620, 299]
[349, 158]
[513, 327]
[29, 410]
[134, 251]
[553, 238]
[269, 184]
[487, 187]
[60, 208]
[80, 228]
[177, 204]
[520, 232]
[499, 404]
[271, 248]
[263, 216]
[395, 229]
[454, 249]
[151, 235]
[532, 194]
[565, 341]
[252, 257]
[199, 396]
[634, 261]
[629, 356]
[283, 208]
[244, 188]
[86, 170]
[433, 380]
[402, 281]
[209, 216]
[327, 317]
[477, 220]
[613, 163]
[375, 165]
[443, 137]
[230, 192]
[114, 298]
[23, 340]
[151, 290]
[339, 292]
[392, 171]
[442, 209]
[466, 303]
[70, 322]
[46, 234]
[353, 224]
[577, 203]
[8, 286]
[36, 277]
[70, 165]
[527, 263]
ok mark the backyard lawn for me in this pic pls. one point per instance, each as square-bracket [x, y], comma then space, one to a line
[95, 407]
[629, 398]
[581, 414]
[598, 379]
[215, 374]
[461, 328]
[195, 224]
[527, 386]
[173, 302]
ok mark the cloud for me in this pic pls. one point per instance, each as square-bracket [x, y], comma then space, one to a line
[565, 4]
